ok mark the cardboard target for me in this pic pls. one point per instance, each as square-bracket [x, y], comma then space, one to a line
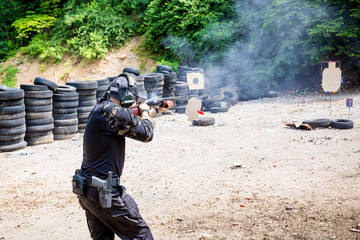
[194, 105]
[195, 81]
[331, 80]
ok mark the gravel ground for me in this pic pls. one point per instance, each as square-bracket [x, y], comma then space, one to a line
[292, 184]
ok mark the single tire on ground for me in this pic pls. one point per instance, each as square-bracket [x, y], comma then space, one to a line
[218, 109]
[204, 121]
[342, 124]
[315, 123]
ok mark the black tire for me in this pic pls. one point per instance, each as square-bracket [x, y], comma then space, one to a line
[211, 100]
[64, 136]
[41, 121]
[39, 94]
[180, 109]
[37, 101]
[153, 77]
[134, 71]
[12, 142]
[71, 104]
[153, 84]
[102, 82]
[342, 124]
[65, 89]
[83, 115]
[42, 81]
[14, 147]
[35, 109]
[11, 94]
[37, 134]
[222, 104]
[204, 121]
[83, 84]
[13, 130]
[83, 98]
[65, 129]
[66, 97]
[28, 87]
[66, 122]
[10, 103]
[40, 128]
[65, 116]
[102, 88]
[255, 94]
[5, 138]
[3, 88]
[88, 103]
[39, 140]
[315, 123]
[85, 109]
[38, 115]
[160, 68]
[218, 109]
[86, 92]
[12, 123]
[230, 95]
[12, 116]
[83, 120]
[170, 76]
[59, 111]
[12, 109]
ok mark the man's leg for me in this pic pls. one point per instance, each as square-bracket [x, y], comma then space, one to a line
[98, 230]
[93, 211]
[125, 219]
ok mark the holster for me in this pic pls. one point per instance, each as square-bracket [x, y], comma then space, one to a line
[78, 184]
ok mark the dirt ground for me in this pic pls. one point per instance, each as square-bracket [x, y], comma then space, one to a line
[184, 184]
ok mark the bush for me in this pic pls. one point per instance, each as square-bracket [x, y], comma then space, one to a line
[91, 29]
[8, 75]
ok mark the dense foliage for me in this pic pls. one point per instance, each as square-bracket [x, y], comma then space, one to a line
[273, 42]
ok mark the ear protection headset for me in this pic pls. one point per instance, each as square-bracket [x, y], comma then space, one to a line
[125, 96]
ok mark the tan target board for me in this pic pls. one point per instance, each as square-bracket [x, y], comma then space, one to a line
[331, 79]
[195, 80]
[194, 105]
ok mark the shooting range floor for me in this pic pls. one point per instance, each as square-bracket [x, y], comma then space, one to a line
[184, 184]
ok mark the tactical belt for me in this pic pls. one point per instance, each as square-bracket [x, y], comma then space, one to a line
[115, 182]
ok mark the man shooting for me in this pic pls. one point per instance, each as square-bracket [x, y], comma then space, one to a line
[109, 209]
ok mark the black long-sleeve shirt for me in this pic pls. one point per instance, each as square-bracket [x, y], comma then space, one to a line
[104, 139]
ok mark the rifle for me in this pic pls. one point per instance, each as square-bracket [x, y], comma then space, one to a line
[156, 102]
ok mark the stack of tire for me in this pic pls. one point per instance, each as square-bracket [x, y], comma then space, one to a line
[103, 85]
[65, 103]
[154, 85]
[170, 79]
[181, 90]
[134, 72]
[87, 100]
[221, 102]
[215, 81]
[12, 119]
[38, 107]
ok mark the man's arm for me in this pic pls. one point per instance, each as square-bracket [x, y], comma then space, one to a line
[123, 122]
